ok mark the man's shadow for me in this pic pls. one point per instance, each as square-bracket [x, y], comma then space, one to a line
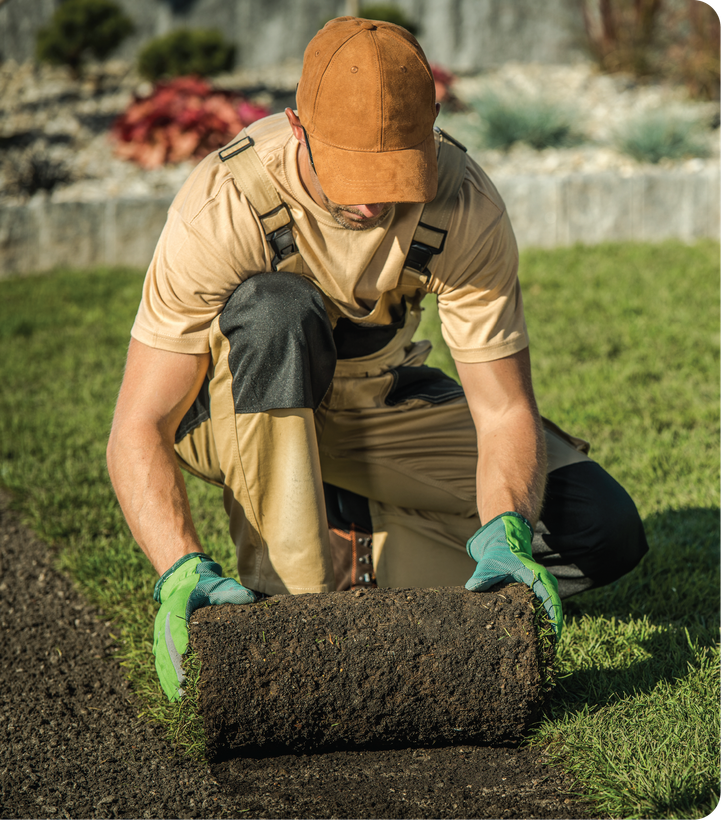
[652, 625]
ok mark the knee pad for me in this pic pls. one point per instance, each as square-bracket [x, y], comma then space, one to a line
[282, 353]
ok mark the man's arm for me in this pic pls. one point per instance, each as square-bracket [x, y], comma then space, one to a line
[158, 388]
[511, 447]
[511, 477]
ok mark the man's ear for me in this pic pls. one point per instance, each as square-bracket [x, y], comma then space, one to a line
[295, 125]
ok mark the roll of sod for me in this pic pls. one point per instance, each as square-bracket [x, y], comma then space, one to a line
[371, 669]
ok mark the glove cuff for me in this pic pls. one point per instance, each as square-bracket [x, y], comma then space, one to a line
[164, 577]
[488, 524]
[512, 515]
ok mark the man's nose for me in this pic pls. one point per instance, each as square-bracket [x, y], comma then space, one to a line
[369, 211]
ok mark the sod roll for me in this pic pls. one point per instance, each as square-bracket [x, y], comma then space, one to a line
[369, 669]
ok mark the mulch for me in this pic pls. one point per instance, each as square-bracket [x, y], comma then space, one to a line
[72, 743]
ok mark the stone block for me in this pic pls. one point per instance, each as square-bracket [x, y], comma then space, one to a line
[19, 240]
[73, 235]
[597, 208]
[533, 204]
[134, 227]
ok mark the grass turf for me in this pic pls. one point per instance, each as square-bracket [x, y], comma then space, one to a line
[625, 345]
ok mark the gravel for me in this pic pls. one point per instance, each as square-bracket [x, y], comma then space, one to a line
[54, 131]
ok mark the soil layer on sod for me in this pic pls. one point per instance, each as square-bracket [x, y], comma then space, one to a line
[369, 669]
[72, 744]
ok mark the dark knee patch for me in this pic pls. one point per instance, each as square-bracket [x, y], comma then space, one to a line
[282, 354]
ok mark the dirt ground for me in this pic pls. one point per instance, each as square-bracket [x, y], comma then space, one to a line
[72, 745]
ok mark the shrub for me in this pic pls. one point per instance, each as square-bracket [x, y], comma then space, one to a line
[185, 118]
[657, 135]
[663, 39]
[32, 170]
[389, 14]
[621, 33]
[694, 58]
[79, 28]
[538, 123]
[200, 52]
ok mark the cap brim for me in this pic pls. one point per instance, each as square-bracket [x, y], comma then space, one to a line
[365, 177]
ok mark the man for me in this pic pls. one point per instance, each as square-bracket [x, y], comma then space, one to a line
[272, 354]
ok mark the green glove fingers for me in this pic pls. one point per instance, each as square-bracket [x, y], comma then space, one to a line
[502, 550]
[192, 582]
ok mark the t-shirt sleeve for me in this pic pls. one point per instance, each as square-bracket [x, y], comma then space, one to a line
[479, 296]
[211, 242]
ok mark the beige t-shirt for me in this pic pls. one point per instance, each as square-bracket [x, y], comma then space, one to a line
[213, 241]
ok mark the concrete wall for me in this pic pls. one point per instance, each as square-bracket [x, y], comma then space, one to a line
[464, 35]
[546, 212]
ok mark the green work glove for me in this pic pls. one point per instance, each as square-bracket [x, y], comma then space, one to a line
[502, 548]
[192, 582]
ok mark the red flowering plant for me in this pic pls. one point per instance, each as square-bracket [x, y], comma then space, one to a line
[184, 118]
[444, 93]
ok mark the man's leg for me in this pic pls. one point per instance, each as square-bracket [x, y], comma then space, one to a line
[252, 430]
[397, 434]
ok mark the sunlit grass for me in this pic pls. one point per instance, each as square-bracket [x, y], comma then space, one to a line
[625, 345]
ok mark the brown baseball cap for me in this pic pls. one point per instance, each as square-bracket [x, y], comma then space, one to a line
[366, 99]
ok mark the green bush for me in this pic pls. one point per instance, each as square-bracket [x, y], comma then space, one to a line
[389, 14]
[202, 52]
[79, 28]
[657, 135]
[539, 123]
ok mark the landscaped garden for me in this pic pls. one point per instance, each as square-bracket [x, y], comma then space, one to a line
[625, 345]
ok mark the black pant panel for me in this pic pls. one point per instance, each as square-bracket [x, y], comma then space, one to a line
[281, 343]
[589, 533]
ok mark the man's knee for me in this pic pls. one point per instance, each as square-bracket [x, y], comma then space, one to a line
[592, 523]
[281, 352]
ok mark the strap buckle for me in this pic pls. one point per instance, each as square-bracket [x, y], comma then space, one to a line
[448, 137]
[420, 253]
[235, 148]
[281, 240]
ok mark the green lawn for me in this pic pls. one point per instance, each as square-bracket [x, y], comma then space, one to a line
[625, 345]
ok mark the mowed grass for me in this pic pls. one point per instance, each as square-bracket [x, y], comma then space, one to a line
[625, 345]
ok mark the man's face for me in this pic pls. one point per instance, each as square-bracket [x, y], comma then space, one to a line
[350, 217]
[357, 217]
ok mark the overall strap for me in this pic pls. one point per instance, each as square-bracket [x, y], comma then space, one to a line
[255, 183]
[430, 236]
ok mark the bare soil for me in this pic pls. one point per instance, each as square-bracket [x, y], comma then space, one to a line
[72, 743]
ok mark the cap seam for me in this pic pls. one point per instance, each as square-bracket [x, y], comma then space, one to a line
[380, 109]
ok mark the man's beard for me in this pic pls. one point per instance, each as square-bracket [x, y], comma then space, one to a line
[340, 215]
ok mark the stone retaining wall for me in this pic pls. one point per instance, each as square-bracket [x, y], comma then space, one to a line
[546, 211]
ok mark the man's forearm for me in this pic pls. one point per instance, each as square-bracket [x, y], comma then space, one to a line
[512, 467]
[152, 495]
[511, 445]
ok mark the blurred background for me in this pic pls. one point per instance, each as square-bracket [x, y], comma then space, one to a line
[597, 119]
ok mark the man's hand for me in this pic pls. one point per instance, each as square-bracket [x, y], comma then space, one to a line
[502, 548]
[192, 582]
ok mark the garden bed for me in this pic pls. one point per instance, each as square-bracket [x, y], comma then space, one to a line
[61, 125]
[74, 745]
